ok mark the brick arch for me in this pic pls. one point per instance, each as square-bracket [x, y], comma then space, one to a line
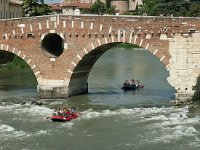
[27, 59]
[81, 65]
[108, 41]
[90, 49]
[150, 46]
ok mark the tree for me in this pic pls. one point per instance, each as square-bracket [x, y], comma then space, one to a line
[98, 8]
[165, 7]
[41, 1]
[111, 10]
[148, 7]
[195, 9]
[35, 8]
[43, 9]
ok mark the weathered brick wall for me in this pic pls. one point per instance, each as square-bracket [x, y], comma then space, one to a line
[83, 34]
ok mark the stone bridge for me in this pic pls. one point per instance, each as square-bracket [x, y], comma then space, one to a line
[61, 50]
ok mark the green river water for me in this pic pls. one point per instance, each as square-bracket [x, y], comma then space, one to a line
[111, 118]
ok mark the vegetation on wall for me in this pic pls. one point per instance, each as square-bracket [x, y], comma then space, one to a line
[35, 8]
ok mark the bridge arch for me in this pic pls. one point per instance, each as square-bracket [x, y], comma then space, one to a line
[26, 58]
[81, 66]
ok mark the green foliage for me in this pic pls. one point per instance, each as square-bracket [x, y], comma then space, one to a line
[100, 8]
[170, 7]
[195, 9]
[35, 8]
[43, 9]
[148, 7]
[111, 10]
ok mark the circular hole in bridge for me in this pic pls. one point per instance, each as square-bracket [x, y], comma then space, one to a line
[53, 44]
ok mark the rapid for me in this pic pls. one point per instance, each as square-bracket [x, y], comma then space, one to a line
[111, 118]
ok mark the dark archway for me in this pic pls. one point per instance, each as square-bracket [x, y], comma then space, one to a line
[53, 45]
[6, 57]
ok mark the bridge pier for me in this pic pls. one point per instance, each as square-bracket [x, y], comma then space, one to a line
[184, 65]
[78, 86]
[62, 89]
[52, 92]
[48, 88]
[184, 97]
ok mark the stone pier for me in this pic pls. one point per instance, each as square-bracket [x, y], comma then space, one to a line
[184, 64]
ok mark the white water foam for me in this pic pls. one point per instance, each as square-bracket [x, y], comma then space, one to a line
[42, 132]
[6, 128]
[7, 132]
[34, 110]
[168, 124]
[26, 108]
[23, 112]
[135, 112]
[8, 108]
[172, 125]
[67, 124]
[169, 134]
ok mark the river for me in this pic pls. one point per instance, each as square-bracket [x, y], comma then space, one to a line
[111, 118]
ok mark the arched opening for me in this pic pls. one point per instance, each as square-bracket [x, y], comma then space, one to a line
[17, 80]
[53, 45]
[105, 73]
